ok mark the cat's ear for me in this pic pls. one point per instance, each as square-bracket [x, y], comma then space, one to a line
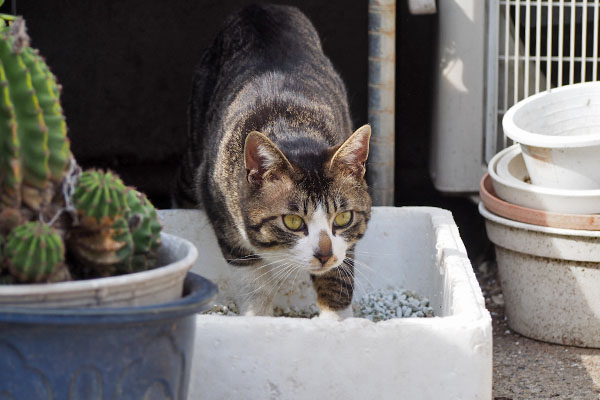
[263, 159]
[351, 155]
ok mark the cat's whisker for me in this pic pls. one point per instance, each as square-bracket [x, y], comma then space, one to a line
[357, 268]
[298, 270]
[275, 277]
[348, 295]
[361, 264]
[282, 264]
[279, 268]
[277, 272]
[339, 272]
[279, 264]
[274, 270]
[283, 258]
[377, 253]
[346, 268]
[284, 277]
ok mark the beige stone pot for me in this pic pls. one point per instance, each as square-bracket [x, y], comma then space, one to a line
[550, 279]
[159, 285]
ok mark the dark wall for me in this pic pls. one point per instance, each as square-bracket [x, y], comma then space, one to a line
[126, 68]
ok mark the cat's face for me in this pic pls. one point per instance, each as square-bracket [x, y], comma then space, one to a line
[309, 208]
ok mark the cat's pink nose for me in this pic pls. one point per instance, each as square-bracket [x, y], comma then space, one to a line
[324, 251]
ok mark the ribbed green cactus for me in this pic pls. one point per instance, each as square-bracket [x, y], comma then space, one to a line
[118, 229]
[34, 149]
[108, 228]
[34, 252]
[102, 239]
[145, 231]
[99, 198]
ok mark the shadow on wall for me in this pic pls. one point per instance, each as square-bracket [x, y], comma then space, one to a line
[417, 49]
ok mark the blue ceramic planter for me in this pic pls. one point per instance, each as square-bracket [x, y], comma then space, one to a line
[103, 353]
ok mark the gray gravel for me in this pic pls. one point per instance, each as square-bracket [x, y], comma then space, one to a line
[382, 305]
[376, 306]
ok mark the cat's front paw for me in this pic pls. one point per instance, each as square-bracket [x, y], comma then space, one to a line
[338, 315]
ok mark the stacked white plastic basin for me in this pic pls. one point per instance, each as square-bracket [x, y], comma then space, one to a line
[559, 133]
[548, 182]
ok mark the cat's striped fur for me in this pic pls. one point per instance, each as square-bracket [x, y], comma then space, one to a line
[270, 135]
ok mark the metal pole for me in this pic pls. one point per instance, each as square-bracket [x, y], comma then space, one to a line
[382, 70]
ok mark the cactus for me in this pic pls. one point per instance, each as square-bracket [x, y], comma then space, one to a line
[102, 239]
[34, 252]
[145, 231]
[34, 149]
[107, 227]
[118, 228]
[99, 199]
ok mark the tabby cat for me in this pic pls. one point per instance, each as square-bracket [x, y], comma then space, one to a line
[272, 158]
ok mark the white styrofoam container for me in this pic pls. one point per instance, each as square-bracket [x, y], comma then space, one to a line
[417, 248]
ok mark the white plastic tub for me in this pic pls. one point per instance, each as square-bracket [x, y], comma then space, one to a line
[445, 357]
[559, 133]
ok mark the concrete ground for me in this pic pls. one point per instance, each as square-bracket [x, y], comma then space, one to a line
[529, 369]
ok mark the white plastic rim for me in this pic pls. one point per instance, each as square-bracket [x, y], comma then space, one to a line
[563, 117]
[502, 166]
[515, 191]
[512, 151]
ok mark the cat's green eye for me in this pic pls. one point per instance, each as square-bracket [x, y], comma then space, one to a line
[293, 222]
[343, 219]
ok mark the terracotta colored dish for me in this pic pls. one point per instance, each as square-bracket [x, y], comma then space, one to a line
[504, 209]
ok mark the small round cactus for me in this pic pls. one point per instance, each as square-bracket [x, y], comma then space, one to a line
[118, 228]
[99, 199]
[34, 252]
[145, 231]
[102, 239]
